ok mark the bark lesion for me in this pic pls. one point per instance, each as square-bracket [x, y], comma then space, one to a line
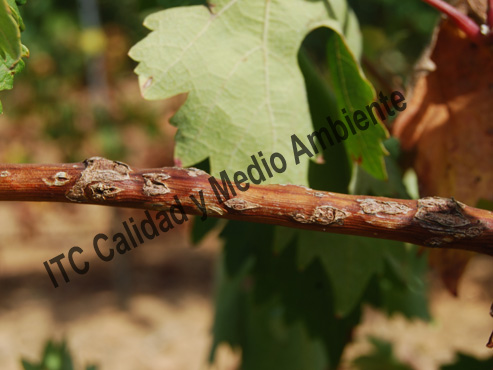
[99, 176]
[448, 218]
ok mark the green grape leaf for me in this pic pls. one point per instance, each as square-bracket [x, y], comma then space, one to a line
[388, 274]
[230, 302]
[403, 286]
[274, 344]
[268, 306]
[349, 261]
[11, 49]
[238, 64]
[267, 341]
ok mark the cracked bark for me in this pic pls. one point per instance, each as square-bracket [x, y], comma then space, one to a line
[432, 222]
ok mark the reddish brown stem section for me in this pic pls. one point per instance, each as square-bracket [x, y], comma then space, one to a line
[433, 222]
[466, 24]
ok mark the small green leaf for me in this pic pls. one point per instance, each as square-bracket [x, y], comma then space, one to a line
[56, 356]
[322, 103]
[382, 358]
[11, 49]
[29, 366]
[485, 204]
[10, 34]
[354, 92]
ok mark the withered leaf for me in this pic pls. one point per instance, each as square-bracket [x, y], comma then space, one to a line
[447, 131]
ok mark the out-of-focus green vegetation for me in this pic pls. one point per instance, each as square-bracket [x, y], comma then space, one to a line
[381, 358]
[394, 36]
[56, 356]
[56, 97]
[78, 90]
[464, 361]
[11, 49]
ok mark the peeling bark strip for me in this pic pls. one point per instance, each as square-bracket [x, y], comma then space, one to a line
[61, 178]
[155, 184]
[446, 218]
[323, 215]
[433, 222]
[100, 176]
[239, 204]
[374, 207]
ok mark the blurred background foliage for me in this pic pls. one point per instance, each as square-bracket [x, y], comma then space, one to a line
[394, 36]
[74, 93]
[73, 89]
[56, 356]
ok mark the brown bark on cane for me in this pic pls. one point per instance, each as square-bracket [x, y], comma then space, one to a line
[433, 221]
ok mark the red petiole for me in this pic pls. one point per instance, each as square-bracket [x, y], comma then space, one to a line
[466, 24]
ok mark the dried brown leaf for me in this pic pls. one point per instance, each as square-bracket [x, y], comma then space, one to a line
[447, 131]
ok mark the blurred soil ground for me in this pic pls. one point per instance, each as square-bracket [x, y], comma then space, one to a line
[152, 308]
